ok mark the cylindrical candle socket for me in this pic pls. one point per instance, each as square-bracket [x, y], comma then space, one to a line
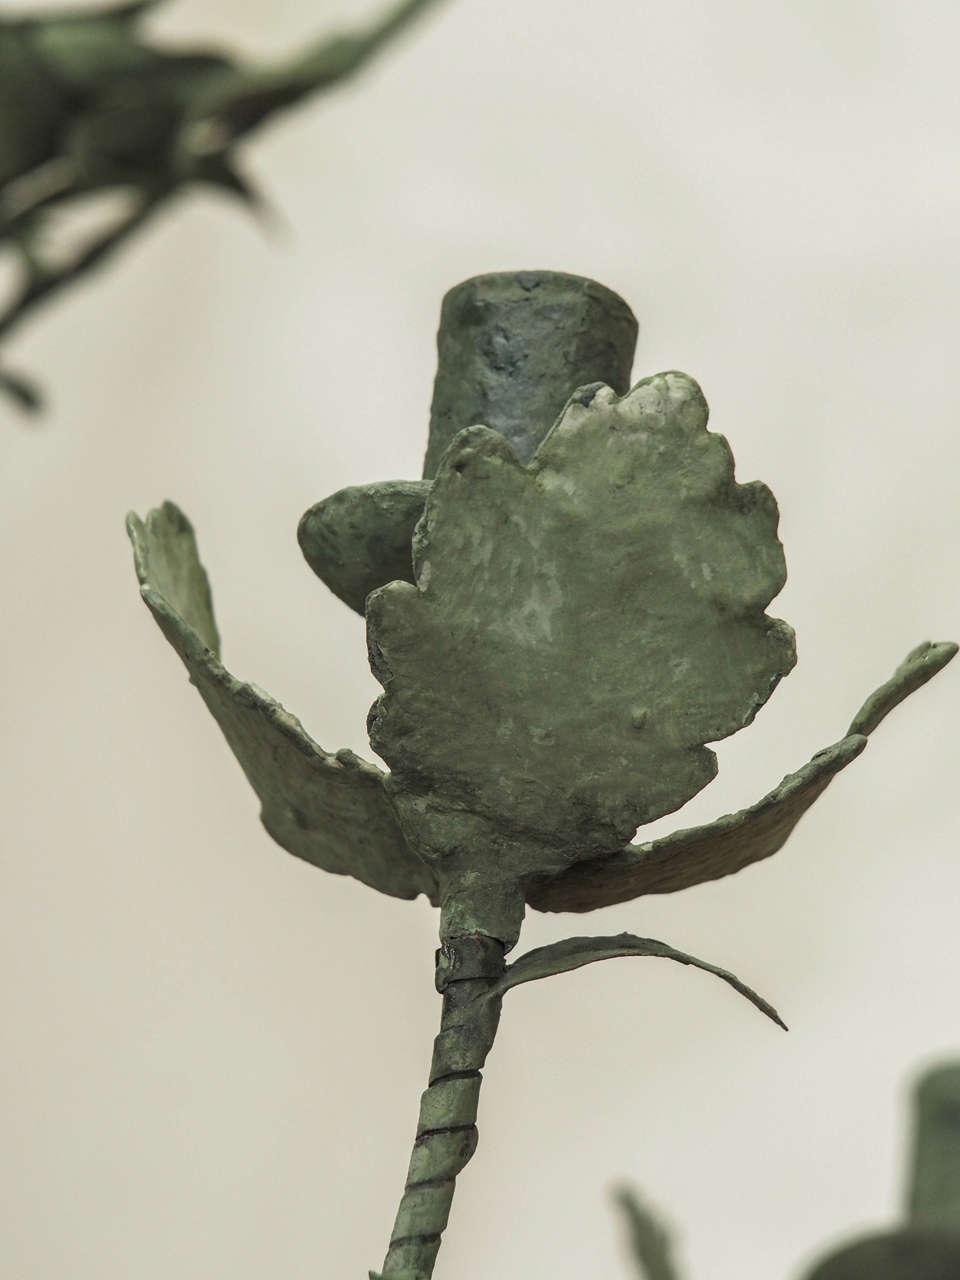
[513, 346]
[934, 1192]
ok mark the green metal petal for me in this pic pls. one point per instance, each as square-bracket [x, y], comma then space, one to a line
[573, 953]
[720, 848]
[579, 629]
[359, 538]
[330, 810]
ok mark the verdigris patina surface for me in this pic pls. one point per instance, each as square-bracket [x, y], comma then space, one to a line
[562, 618]
[511, 347]
[579, 627]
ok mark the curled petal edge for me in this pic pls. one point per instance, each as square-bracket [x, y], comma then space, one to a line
[329, 809]
[737, 840]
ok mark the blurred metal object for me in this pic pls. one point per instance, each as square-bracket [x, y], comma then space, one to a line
[927, 1247]
[933, 1197]
[907, 1254]
[650, 1245]
[88, 105]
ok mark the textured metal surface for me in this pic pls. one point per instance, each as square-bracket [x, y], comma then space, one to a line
[360, 538]
[579, 628]
[691, 856]
[919, 666]
[446, 1127]
[512, 348]
[330, 810]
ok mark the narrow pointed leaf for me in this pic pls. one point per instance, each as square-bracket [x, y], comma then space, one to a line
[573, 953]
[650, 1242]
[692, 856]
[330, 810]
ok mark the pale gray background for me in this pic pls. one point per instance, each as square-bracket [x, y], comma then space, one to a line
[213, 1051]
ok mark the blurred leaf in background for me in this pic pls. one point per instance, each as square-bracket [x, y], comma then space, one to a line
[89, 106]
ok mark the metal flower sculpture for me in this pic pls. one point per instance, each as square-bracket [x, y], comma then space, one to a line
[88, 105]
[562, 618]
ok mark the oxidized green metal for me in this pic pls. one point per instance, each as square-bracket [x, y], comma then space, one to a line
[330, 810]
[511, 348]
[359, 538]
[579, 627]
[574, 628]
[737, 840]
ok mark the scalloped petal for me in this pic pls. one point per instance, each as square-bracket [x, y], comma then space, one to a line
[579, 629]
[330, 810]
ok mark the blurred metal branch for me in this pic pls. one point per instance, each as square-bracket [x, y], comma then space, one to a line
[87, 106]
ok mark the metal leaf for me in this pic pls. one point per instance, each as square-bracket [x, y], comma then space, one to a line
[650, 1244]
[573, 953]
[330, 810]
[720, 848]
[580, 627]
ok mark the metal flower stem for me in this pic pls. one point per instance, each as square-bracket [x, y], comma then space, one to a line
[446, 1127]
[511, 349]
